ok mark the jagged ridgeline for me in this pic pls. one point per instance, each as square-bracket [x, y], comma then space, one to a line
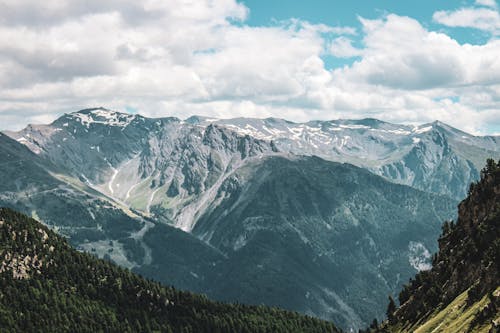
[461, 293]
[46, 286]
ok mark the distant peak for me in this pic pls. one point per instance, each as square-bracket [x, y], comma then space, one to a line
[91, 110]
[441, 126]
[102, 116]
[199, 119]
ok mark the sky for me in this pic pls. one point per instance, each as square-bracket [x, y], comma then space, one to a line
[398, 61]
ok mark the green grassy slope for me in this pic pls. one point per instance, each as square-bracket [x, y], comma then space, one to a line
[458, 316]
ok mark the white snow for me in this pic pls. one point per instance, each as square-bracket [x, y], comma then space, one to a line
[422, 130]
[396, 131]
[110, 184]
[248, 130]
[354, 126]
[105, 117]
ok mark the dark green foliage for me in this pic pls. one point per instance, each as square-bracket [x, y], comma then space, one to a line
[468, 256]
[390, 309]
[46, 286]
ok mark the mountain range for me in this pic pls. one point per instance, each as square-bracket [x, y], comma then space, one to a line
[263, 211]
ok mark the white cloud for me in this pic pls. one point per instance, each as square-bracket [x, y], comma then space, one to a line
[478, 18]
[400, 53]
[341, 47]
[487, 3]
[408, 73]
[179, 57]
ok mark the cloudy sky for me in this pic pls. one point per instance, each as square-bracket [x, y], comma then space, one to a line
[316, 59]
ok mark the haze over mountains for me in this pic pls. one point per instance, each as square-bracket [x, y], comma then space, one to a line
[261, 220]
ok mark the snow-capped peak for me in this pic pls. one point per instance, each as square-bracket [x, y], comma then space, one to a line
[102, 116]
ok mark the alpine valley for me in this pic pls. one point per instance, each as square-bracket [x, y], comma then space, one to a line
[326, 218]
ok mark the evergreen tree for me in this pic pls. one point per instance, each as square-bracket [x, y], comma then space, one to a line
[391, 308]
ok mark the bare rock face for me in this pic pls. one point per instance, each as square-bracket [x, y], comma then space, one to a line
[163, 167]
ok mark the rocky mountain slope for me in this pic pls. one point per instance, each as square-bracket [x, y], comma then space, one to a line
[297, 232]
[95, 222]
[128, 157]
[164, 167]
[461, 293]
[263, 225]
[47, 286]
[432, 157]
[313, 235]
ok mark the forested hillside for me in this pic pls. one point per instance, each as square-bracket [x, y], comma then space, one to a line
[461, 292]
[46, 286]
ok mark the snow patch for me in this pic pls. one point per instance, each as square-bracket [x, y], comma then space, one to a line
[105, 117]
[354, 126]
[422, 130]
[110, 184]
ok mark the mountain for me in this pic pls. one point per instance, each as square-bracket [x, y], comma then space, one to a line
[164, 167]
[47, 286]
[95, 222]
[128, 157]
[296, 232]
[254, 222]
[461, 293]
[314, 236]
[432, 157]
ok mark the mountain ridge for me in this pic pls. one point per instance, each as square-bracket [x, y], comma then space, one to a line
[420, 156]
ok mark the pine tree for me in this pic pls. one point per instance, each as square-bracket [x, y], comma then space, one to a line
[391, 308]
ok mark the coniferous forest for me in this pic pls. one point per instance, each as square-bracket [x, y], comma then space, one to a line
[461, 293]
[46, 286]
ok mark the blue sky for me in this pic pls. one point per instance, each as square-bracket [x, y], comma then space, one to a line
[399, 61]
[346, 13]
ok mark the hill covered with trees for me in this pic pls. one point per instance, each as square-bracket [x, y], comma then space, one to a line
[47, 286]
[461, 293]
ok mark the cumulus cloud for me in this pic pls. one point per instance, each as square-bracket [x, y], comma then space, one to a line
[400, 53]
[478, 18]
[407, 72]
[179, 57]
[342, 47]
[487, 3]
